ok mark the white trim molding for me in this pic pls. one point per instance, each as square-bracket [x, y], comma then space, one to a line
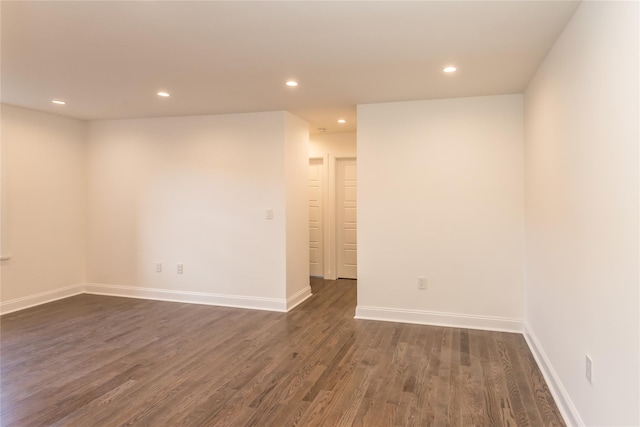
[298, 298]
[454, 320]
[560, 395]
[41, 298]
[237, 301]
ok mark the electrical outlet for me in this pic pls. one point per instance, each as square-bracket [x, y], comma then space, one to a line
[158, 267]
[589, 370]
[422, 283]
[180, 268]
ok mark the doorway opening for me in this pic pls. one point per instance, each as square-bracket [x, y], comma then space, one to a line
[333, 217]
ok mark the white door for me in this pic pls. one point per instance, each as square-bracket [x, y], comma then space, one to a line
[315, 218]
[346, 225]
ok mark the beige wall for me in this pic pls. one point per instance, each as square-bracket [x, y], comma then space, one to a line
[440, 195]
[582, 290]
[335, 144]
[95, 206]
[191, 190]
[297, 207]
[44, 204]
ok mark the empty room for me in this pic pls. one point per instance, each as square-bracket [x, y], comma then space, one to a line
[320, 213]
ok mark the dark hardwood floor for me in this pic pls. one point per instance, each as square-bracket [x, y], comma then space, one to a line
[106, 361]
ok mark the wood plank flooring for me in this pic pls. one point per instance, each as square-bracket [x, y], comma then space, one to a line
[106, 361]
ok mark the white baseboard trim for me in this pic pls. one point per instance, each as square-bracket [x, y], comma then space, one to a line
[41, 298]
[560, 395]
[298, 298]
[237, 301]
[454, 320]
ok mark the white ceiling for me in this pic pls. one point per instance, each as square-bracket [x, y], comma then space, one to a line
[108, 59]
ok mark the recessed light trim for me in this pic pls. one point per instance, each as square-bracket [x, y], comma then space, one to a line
[58, 101]
[164, 94]
[342, 121]
[449, 69]
[292, 83]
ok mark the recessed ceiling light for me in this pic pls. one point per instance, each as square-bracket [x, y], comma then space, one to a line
[449, 69]
[342, 121]
[292, 83]
[58, 101]
[163, 94]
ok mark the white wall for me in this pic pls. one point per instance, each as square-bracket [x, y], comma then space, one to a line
[441, 196]
[335, 144]
[191, 190]
[581, 120]
[297, 205]
[44, 206]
